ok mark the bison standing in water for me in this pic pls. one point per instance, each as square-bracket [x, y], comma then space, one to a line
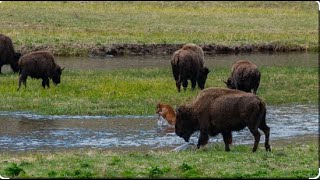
[39, 65]
[245, 76]
[222, 110]
[187, 63]
[7, 53]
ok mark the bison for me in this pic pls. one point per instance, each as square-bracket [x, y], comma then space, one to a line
[167, 112]
[39, 65]
[187, 64]
[222, 110]
[8, 54]
[245, 76]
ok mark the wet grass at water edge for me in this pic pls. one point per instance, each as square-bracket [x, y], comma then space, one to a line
[137, 91]
[295, 160]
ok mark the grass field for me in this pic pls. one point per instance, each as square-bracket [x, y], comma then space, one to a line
[137, 91]
[73, 28]
[288, 159]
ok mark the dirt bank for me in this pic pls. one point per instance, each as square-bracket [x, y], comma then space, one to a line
[163, 49]
[155, 49]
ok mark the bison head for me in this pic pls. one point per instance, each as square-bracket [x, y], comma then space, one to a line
[56, 74]
[185, 123]
[230, 83]
[14, 64]
[203, 77]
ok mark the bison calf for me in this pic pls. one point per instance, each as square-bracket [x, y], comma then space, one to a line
[222, 110]
[245, 76]
[167, 112]
[187, 63]
[39, 65]
[7, 53]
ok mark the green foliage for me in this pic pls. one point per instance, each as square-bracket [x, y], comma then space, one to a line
[155, 172]
[13, 170]
[185, 167]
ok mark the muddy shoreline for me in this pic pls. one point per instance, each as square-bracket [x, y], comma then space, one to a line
[157, 49]
[165, 49]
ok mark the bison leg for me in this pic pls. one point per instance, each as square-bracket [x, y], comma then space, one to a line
[256, 135]
[185, 84]
[203, 139]
[22, 78]
[266, 131]
[178, 85]
[45, 82]
[227, 138]
[193, 84]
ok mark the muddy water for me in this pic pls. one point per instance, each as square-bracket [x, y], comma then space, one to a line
[212, 61]
[20, 131]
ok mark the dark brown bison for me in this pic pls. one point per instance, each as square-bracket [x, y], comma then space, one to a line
[7, 53]
[39, 65]
[245, 76]
[222, 110]
[187, 64]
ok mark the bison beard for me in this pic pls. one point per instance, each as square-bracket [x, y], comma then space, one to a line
[222, 110]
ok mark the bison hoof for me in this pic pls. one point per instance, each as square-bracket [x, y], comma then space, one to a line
[268, 148]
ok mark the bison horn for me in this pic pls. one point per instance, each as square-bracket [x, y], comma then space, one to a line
[63, 68]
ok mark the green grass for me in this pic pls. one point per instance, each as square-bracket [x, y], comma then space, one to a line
[72, 28]
[137, 91]
[287, 160]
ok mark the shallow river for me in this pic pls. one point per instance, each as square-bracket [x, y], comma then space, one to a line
[211, 61]
[24, 131]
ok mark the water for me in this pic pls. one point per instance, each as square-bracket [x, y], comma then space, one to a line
[211, 61]
[20, 131]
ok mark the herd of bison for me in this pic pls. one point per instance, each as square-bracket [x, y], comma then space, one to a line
[213, 111]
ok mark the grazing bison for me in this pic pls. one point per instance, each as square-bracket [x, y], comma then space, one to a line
[187, 63]
[222, 110]
[7, 53]
[245, 76]
[39, 65]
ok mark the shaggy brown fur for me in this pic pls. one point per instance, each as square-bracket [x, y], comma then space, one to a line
[245, 76]
[7, 53]
[222, 110]
[39, 65]
[187, 64]
[167, 112]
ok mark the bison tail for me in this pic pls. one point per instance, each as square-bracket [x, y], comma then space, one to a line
[262, 115]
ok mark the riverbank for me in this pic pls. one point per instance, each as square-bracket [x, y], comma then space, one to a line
[290, 158]
[139, 28]
[137, 91]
